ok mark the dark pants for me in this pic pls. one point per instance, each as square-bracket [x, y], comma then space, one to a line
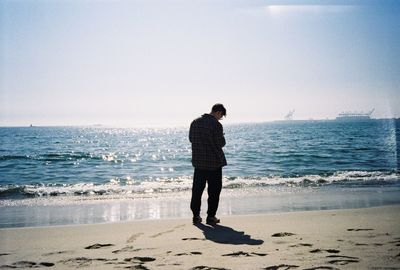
[214, 182]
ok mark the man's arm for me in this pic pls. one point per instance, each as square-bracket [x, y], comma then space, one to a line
[219, 138]
[191, 133]
[219, 142]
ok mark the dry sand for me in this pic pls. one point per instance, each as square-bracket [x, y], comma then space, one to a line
[335, 239]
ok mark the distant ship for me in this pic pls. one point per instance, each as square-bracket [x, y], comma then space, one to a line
[355, 116]
[289, 116]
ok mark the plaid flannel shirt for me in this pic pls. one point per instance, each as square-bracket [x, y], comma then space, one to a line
[207, 138]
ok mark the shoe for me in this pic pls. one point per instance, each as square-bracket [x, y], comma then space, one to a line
[197, 220]
[212, 220]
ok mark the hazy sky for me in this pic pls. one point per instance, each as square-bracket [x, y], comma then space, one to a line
[166, 62]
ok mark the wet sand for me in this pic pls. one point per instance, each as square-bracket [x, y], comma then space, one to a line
[366, 238]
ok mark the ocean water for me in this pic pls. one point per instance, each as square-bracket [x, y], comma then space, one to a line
[55, 165]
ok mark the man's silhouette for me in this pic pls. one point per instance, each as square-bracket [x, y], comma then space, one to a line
[207, 138]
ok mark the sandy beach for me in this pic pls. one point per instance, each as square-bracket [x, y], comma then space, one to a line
[366, 238]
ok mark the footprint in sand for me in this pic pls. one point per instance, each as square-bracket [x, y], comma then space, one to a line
[202, 267]
[77, 262]
[396, 242]
[327, 250]
[245, 254]
[138, 267]
[191, 253]
[130, 249]
[342, 256]
[332, 250]
[58, 253]
[191, 239]
[126, 249]
[140, 259]
[343, 261]
[259, 254]
[169, 231]
[83, 261]
[133, 237]
[322, 268]
[359, 230]
[27, 264]
[97, 246]
[283, 234]
[238, 254]
[281, 267]
[302, 245]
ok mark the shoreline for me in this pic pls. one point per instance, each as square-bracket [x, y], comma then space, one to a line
[367, 238]
[188, 219]
[233, 202]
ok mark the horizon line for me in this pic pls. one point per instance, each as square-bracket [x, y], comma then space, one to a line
[181, 125]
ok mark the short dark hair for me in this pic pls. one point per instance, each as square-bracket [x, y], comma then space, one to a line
[219, 108]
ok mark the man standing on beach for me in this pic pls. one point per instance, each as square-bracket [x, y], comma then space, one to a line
[207, 137]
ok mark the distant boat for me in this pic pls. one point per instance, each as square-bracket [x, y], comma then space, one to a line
[354, 116]
[289, 116]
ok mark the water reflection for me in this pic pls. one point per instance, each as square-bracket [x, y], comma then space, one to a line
[232, 203]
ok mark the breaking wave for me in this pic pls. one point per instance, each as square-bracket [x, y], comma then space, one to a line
[129, 186]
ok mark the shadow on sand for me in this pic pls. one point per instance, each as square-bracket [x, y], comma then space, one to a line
[226, 235]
